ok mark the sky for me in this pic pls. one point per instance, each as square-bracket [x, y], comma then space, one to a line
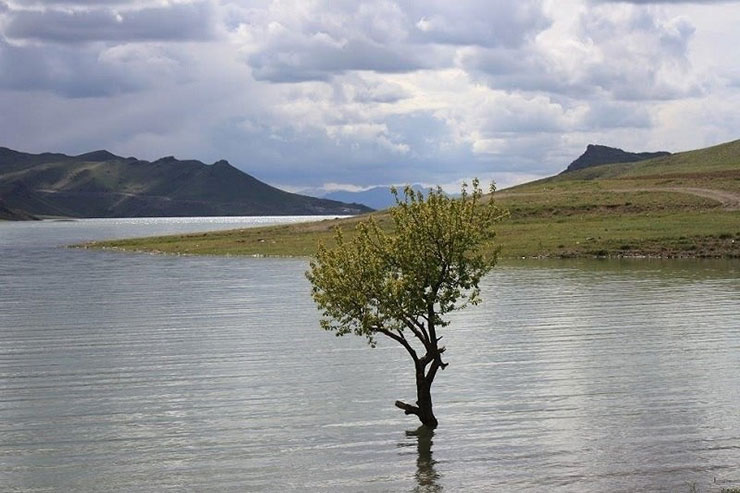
[314, 95]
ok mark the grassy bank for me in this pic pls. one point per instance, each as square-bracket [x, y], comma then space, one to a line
[658, 234]
[685, 205]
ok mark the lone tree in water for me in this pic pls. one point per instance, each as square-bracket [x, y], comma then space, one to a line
[400, 284]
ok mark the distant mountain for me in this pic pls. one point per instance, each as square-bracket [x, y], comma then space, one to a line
[597, 155]
[101, 184]
[375, 198]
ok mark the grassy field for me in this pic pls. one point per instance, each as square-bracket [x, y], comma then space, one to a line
[685, 205]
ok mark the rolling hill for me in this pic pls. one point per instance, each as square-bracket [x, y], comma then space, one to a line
[101, 184]
[715, 168]
[682, 205]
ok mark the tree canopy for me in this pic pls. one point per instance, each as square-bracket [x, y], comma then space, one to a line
[401, 283]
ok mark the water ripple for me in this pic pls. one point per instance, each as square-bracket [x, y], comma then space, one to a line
[141, 373]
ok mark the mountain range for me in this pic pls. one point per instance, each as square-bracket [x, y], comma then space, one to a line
[101, 184]
[376, 197]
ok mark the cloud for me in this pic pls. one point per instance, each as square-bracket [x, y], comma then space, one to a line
[318, 57]
[617, 51]
[89, 72]
[290, 43]
[32, 68]
[483, 23]
[601, 115]
[307, 92]
[174, 22]
[641, 57]
[353, 88]
[649, 2]
[74, 3]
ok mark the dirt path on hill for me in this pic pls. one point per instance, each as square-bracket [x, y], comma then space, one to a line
[730, 200]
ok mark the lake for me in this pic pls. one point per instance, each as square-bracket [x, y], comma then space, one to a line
[137, 372]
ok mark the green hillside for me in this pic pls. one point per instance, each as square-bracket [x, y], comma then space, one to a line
[101, 184]
[682, 205]
[706, 164]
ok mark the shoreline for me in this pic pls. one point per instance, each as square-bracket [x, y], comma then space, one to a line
[681, 237]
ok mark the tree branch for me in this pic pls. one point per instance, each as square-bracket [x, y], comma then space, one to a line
[408, 408]
[401, 340]
[418, 330]
[432, 371]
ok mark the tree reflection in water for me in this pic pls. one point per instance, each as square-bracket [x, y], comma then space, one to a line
[426, 476]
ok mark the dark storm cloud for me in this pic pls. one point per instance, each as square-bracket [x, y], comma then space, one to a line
[176, 22]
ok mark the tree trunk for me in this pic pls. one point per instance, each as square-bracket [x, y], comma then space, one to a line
[423, 408]
[424, 400]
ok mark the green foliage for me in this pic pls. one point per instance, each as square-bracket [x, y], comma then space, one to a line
[408, 278]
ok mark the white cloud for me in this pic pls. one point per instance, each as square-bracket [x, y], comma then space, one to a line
[621, 52]
[298, 40]
[483, 23]
[308, 92]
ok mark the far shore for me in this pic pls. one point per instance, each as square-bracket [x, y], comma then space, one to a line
[702, 234]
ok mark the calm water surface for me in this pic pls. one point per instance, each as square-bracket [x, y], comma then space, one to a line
[124, 372]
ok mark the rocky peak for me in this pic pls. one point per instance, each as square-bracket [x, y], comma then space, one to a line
[597, 155]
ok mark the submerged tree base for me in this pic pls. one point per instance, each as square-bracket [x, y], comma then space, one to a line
[428, 421]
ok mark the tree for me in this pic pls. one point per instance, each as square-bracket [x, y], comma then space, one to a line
[400, 284]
